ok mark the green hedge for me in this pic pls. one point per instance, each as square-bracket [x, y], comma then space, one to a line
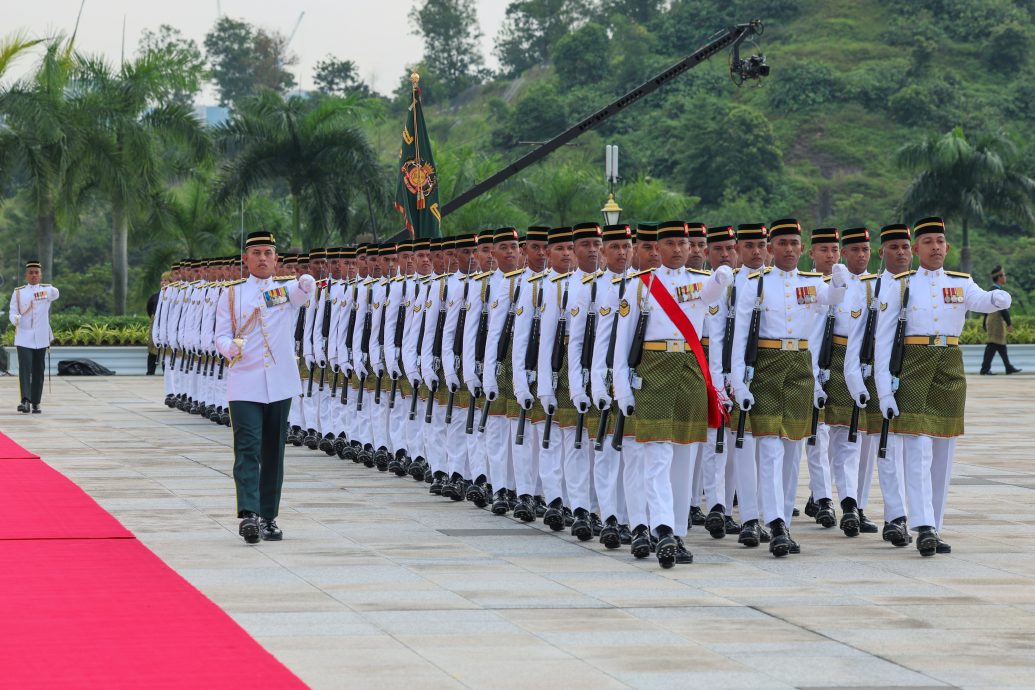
[1023, 331]
[71, 329]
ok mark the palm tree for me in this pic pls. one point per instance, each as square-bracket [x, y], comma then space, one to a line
[144, 143]
[458, 170]
[316, 150]
[966, 182]
[40, 135]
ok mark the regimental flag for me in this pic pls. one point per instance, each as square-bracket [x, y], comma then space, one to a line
[416, 193]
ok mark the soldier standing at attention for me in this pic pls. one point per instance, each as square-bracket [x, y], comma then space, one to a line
[927, 407]
[30, 313]
[777, 397]
[255, 324]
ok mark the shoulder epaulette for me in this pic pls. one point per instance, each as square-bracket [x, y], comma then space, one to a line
[699, 271]
[396, 279]
[48, 284]
[281, 279]
[463, 276]
[562, 276]
[868, 276]
[736, 270]
[590, 277]
[811, 274]
[538, 276]
[370, 281]
[758, 273]
[239, 280]
[904, 274]
[957, 274]
[515, 272]
[483, 276]
[826, 279]
[618, 279]
[22, 286]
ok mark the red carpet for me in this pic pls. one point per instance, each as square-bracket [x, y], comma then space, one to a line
[41, 503]
[83, 604]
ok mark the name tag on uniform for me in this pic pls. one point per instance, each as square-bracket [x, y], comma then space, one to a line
[275, 297]
[806, 294]
[688, 293]
[41, 295]
[952, 295]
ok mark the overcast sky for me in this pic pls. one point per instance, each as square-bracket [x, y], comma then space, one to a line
[375, 34]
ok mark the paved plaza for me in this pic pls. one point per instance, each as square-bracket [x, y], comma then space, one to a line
[380, 585]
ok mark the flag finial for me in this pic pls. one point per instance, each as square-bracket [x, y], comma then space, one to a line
[414, 78]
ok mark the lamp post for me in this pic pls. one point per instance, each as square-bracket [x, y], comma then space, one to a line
[612, 211]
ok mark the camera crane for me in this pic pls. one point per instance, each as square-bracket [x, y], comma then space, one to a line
[741, 70]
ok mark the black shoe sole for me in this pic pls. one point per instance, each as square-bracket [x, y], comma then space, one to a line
[715, 523]
[582, 532]
[640, 550]
[500, 508]
[927, 546]
[826, 519]
[610, 540]
[899, 539]
[666, 554]
[850, 526]
[779, 550]
[749, 540]
[250, 533]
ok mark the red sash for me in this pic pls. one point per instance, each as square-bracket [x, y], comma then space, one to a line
[716, 412]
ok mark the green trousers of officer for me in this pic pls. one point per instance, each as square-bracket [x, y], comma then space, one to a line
[259, 431]
[31, 365]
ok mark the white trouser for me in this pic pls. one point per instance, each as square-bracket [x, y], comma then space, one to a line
[167, 376]
[668, 475]
[497, 442]
[551, 463]
[890, 472]
[311, 406]
[697, 483]
[819, 464]
[634, 482]
[456, 446]
[779, 460]
[397, 421]
[623, 509]
[719, 477]
[477, 457]
[606, 465]
[745, 467]
[378, 419]
[928, 464]
[525, 458]
[844, 463]
[326, 408]
[415, 439]
[435, 437]
[578, 468]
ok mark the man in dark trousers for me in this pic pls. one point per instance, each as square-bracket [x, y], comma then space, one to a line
[30, 314]
[998, 325]
[255, 327]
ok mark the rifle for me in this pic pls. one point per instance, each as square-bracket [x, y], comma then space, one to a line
[420, 344]
[364, 348]
[866, 355]
[557, 358]
[727, 359]
[609, 362]
[586, 357]
[436, 347]
[325, 330]
[751, 354]
[479, 354]
[350, 329]
[826, 353]
[635, 357]
[397, 338]
[502, 350]
[531, 361]
[381, 342]
[895, 366]
[458, 345]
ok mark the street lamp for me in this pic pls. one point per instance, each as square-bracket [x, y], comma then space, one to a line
[611, 210]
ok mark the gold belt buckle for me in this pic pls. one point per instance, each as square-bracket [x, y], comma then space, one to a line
[939, 341]
[789, 344]
[674, 346]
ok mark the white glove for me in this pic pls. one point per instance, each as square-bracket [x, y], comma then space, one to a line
[309, 362]
[856, 388]
[724, 399]
[17, 318]
[321, 363]
[521, 393]
[581, 401]
[394, 371]
[548, 401]
[744, 398]
[604, 402]
[471, 386]
[525, 402]
[431, 381]
[887, 404]
[1001, 299]
[453, 382]
[306, 283]
[491, 390]
[626, 404]
[723, 275]
[839, 275]
[819, 398]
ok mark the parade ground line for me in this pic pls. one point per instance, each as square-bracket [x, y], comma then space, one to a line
[379, 585]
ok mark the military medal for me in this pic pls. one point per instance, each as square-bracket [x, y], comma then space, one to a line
[41, 295]
[275, 297]
[952, 295]
[688, 293]
[806, 294]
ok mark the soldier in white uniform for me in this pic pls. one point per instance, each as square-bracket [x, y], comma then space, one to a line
[669, 394]
[30, 313]
[255, 321]
[783, 386]
[925, 401]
